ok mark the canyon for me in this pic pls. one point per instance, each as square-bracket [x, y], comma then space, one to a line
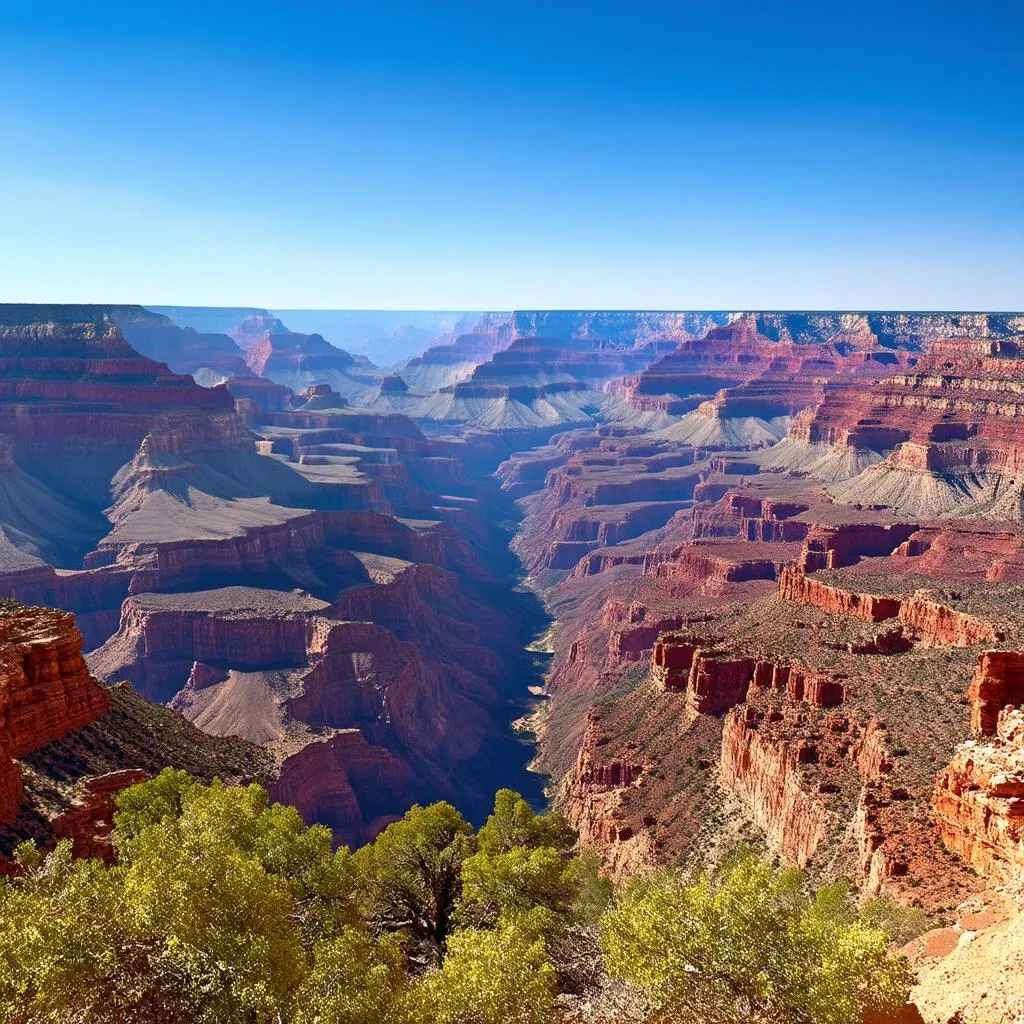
[744, 648]
[762, 574]
[318, 580]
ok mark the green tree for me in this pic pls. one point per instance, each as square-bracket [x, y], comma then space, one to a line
[498, 976]
[356, 979]
[218, 915]
[523, 868]
[515, 825]
[748, 943]
[411, 875]
[220, 817]
[151, 802]
[210, 915]
[517, 885]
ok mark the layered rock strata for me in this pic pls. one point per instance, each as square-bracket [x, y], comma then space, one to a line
[979, 800]
[46, 691]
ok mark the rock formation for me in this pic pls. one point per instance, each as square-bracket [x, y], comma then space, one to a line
[757, 657]
[979, 799]
[46, 690]
[300, 361]
[287, 569]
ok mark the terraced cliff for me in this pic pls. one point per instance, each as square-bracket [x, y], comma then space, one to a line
[738, 653]
[317, 578]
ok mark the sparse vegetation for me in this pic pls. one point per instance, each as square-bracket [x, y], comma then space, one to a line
[224, 908]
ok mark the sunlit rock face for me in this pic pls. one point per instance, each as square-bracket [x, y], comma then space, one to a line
[46, 691]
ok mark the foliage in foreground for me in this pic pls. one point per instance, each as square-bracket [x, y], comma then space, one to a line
[753, 943]
[224, 908]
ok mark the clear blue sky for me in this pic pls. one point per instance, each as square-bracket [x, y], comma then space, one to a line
[491, 154]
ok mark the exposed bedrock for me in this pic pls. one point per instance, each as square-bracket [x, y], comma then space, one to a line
[749, 517]
[414, 662]
[795, 585]
[76, 404]
[93, 595]
[923, 612]
[346, 783]
[46, 686]
[46, 690]
[184, 349]
[836, 546]
[979, 799]
[766, 776]
[715, 680]
[428, 606]
[713, 566]
[594, 796]
[940, 441]
[312, 550]
[89, 821]
[997, 683]
[360, 674]
[162, 635]
[965, 550]
[760, 375]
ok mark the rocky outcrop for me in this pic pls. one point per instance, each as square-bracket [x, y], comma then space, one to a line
[795, 585]
[966, 969]
[593, 798]
[344, 782]
[70, 784]
[672, 659]
[998, 682]
[850, 329]
[46, 690]
[712, 567]
[360, 674]
[89, 821]
[923, 613]
[299, 360]
[286, 354]
[835, 546]
[937, 624]
[162, 635]
[766, 776]
[74, 392]
[716, 680]
[979, 800]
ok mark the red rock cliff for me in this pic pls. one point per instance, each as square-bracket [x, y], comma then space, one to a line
[979, 800]
[766, 776]
[45, 690]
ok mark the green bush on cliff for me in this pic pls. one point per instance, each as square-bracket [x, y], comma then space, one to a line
[225, 909]
[750, 942]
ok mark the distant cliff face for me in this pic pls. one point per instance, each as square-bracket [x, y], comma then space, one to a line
[897, 329]
[318, 577]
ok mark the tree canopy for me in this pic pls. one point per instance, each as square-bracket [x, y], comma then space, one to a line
[222, 908]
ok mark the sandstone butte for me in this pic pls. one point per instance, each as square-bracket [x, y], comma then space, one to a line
[782, 552]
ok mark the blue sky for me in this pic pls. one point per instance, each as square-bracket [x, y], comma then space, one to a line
[492, 155]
